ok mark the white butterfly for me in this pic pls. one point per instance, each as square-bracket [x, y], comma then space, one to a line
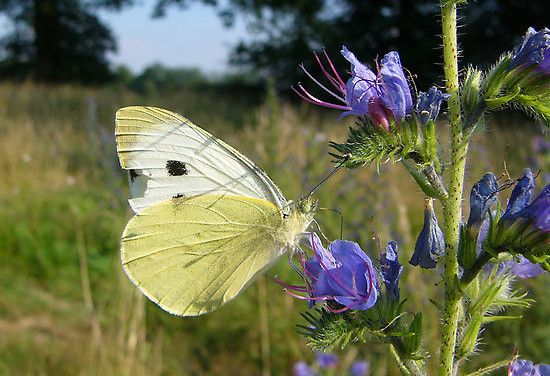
[208, 221]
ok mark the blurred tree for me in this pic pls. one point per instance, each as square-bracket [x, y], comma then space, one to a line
[160, 78]
[57, 40]
[285, 31]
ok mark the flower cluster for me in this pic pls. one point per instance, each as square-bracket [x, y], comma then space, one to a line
[523, 228]
[521, 79]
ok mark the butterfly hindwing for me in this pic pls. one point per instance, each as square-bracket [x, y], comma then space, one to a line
[191, 255]
[167, 156]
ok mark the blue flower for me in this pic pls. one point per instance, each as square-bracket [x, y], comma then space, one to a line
[482, 196]
[390, 270]
[534, 50]
[383, 97]
[428, 105]
[326, 360]
[522, 268]
[302, 369]
[378, 96]
[526, 368]
[521, 195]
[359, 368]
[430, 244]
[343, 273]
[537, 213]
[542, 369]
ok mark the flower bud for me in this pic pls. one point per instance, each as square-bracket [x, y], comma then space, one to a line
[482, 197]
[390, 270]
[430, 244]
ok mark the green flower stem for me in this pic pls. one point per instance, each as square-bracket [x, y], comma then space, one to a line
[435, 181]
[427, 178]
[407, 367]
[402, 368]
[470, 274]
[452, 205]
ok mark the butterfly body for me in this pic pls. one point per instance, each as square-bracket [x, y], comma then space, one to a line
[208, 221]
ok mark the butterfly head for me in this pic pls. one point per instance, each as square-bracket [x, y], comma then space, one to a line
[306, 206]
[296, 222]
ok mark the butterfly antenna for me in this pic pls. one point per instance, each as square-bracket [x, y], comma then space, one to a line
[346, 158]
[341, 222]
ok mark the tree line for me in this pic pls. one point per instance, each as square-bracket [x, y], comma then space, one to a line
[65, 41]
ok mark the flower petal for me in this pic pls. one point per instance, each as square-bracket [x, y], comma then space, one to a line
[398, 96]
[521, 195]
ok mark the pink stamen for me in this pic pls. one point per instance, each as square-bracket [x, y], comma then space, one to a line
[321, 85]
[337, 310]
[321, 298]
[288, 286]
[311, 99]
[335, 81]
[340, 81]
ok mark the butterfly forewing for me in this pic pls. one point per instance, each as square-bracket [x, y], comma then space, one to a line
[168, 156]
[191, 255]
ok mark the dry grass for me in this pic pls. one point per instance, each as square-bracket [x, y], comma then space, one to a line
[66, 306]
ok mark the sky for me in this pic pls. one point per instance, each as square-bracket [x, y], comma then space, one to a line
[194, 37]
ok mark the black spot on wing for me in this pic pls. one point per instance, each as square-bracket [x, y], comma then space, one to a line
[179, 195]
[133, 174]
[176, 168]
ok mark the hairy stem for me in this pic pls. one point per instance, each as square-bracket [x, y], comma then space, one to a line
[452, 205]
[402, 368]
[407, 367]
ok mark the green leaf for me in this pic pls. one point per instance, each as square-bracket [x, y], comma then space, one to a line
[411, 343]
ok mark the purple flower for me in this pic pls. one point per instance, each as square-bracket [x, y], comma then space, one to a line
[521, 367]
[383, 97]
[521, 195]
[428, 105]
[302, 369]
[537, 213]
[534, 50]
[390, 270]
[326, 360]
[359, 368]
[482, 196]
[541, 144]
[342, 273]
[542, 370]
[522, 268]
[430, 244]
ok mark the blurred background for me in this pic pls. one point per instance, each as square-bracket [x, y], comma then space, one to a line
[66, 66]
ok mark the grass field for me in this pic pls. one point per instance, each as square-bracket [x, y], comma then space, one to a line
[66, 306]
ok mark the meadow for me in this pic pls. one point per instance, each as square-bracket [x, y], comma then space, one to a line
[66, 306]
